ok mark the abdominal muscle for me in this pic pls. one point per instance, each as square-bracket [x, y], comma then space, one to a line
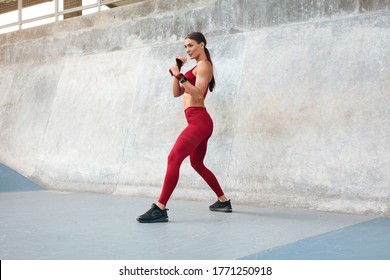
[190, 102]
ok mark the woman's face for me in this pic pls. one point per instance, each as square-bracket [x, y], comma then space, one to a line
[193, 48]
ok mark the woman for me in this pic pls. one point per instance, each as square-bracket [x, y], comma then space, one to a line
[193, 140]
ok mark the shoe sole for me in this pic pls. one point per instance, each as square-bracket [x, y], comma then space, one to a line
[222, 210]
[161, 220]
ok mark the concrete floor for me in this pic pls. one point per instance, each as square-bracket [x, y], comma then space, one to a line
[40, 224]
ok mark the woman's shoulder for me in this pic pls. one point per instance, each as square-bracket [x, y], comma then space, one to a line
[204, 66]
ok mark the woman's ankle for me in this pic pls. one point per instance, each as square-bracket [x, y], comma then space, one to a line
[222, 198]
[160, 205]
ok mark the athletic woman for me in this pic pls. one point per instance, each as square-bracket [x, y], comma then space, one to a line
[192, 141]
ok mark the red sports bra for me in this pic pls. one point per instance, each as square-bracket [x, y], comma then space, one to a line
[192, 79]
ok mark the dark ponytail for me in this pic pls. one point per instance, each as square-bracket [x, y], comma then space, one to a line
[212, 82]
[199, 37]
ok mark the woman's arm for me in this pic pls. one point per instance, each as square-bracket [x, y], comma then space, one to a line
[203, 77]
[177, 89]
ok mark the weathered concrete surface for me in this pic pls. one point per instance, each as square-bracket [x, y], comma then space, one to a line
[301, 108]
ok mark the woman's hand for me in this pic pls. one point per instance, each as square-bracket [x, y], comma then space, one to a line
[174, 70]
[183, 60]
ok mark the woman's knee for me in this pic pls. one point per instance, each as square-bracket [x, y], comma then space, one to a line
[175, 158]
[197, 165]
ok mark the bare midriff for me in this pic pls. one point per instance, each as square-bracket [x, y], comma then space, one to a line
[190, 102]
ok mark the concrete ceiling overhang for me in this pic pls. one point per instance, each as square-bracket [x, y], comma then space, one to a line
[12, 5]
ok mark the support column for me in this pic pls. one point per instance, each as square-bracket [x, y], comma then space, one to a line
[68, 4]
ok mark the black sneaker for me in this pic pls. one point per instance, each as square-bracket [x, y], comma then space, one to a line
[154, 215]
[221, 206]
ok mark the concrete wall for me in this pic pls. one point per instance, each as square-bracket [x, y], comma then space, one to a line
[301, 108]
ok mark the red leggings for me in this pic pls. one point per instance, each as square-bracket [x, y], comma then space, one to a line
[191, 142]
